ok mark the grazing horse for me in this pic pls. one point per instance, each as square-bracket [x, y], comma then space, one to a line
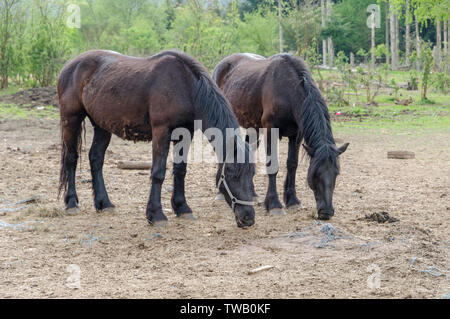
[146, 99]
[279, 93]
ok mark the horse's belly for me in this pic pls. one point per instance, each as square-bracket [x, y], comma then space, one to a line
[127, 129]
[124, 121]
[129, 118]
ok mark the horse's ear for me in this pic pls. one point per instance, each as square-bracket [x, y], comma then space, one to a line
[309, 150]
[343, 148]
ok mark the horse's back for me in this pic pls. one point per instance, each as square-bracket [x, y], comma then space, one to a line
[119, 93]
[261, 90]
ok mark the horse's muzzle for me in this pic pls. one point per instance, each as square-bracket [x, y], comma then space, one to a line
[325, 214]
[245, 223]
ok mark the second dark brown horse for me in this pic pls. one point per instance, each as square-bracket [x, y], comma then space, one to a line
[279, 93]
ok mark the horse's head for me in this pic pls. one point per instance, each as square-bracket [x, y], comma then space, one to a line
[235, 182]
[322, 173]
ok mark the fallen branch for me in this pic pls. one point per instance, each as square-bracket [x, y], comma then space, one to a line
[400, 155]
[134, 165]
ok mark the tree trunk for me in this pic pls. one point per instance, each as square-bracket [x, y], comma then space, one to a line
[3, 62]
[393, 40]
[445, 42]
[280, 26]
[447, 45]
[330, 52]
[330, 40]
[407, 34]
[416, 25]
[324, 42]
[372, 51]
[397, 38]
[386, 8]
[438, 61]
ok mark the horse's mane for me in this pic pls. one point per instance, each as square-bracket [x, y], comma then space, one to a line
[313, 117]
[208, 96]
[214, 108]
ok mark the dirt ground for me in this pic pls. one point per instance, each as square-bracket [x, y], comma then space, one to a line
[32, 98]
[120, 255]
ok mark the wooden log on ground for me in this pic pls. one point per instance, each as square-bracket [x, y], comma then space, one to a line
[401, 155]
[133, 165]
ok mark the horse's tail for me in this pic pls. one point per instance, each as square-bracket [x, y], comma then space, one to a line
[312, 116]
[68, 158]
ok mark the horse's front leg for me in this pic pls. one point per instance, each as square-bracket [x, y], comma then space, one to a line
[179, 204]
[253, 146]
[272, 202]
[290, 196]
[161, 145]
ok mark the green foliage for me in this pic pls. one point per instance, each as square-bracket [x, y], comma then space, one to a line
[349, 28]
[413, 81]
[35, 39]
[441, 82]
[427, 62]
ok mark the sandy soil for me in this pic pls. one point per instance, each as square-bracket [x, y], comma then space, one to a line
[120, 255]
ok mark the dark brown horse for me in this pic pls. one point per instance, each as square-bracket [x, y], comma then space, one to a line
[279, 93]
[145, 99]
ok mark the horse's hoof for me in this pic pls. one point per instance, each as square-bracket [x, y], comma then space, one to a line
[295, 207]
[160, 223]
[188, 216]
[220, 197]
[109, 210]
[277, 212]
[72, 211]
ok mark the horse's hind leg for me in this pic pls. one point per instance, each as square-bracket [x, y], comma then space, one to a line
[161, 145]
[290, 197]
[179, 204]
[71, 128]
[96, 158]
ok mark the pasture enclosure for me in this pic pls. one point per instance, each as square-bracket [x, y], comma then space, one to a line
[120, 255]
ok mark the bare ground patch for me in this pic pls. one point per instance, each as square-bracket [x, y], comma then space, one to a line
[120, 255]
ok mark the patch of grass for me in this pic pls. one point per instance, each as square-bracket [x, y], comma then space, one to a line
[10, 111]
[409, 122]
[426, 102]
[12, 89]
[388, 117]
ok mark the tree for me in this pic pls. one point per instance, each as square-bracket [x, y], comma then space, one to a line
[434, 11]
[330, 39]
[372, 37]
[324, 42]
[280, 26]
[407, 32]
[393, 36]
[7, 13]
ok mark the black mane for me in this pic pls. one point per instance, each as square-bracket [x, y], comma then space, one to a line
[314, 118]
